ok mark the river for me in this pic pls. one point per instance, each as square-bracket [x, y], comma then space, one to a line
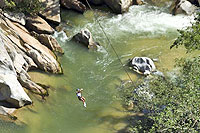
[143, 31]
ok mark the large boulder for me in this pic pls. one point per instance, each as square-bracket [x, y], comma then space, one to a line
[142, 65]
[49, 41]
[38, 25]
[22, 63]
[41, 55]
[51, 10]
[10, 89]
[119, 6]
[85, 37]
[183, 6]
[73, 4]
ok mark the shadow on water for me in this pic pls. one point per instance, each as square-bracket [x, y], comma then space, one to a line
[140, 32]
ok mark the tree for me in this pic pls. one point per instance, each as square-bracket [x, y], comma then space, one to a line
[25, 6]
[190, 37]
[171, 104]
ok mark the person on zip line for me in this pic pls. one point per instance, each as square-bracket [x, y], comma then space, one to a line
[80, 97]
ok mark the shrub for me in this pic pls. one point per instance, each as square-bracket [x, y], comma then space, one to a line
[25, 6]
[190, 37]
[175, 102]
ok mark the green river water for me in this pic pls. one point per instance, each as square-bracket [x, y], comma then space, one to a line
[143, 31]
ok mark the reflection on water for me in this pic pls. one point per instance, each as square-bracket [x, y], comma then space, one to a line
[143, 31]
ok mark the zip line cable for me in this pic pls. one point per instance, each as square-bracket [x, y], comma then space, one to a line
[74, 85]
[109, 42]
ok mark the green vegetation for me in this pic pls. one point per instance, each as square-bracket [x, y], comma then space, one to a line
[190, 37]
[25, 6]
[170, 103]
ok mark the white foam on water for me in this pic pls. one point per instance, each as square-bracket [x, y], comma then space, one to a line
[62, 36]
[145, 20]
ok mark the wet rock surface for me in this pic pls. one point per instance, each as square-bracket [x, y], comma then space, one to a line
[142, 65]
[85, 37]
[119, 6]
[73, 4]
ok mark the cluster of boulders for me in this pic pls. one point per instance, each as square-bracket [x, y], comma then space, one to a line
[121, 6]
[117, 6]
[26, 43]
[185, 6]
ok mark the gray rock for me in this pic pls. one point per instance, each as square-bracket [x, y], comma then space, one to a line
[119, 6]
[22, 63]
[142, 65]
[38, 25]
[41, 55]
[73, 4]
[183, 6]
[6, 111]
[26, 82]
[10, 89]
[16, 17]
[51, 10]
[85, 37]
[21, 51]
[49, 41]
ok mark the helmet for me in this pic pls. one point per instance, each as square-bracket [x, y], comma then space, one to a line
[77, 89]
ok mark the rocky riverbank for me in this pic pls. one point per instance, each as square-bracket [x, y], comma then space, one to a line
[27, 43]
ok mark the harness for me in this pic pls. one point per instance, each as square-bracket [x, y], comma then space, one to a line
[79, 95]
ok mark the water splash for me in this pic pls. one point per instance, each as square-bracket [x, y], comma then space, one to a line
[143, 20]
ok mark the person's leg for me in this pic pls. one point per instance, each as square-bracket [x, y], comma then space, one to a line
[83, 99]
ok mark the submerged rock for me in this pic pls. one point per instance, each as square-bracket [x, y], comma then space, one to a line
[73, 4]
[85, 37]
[142, 65]
[119, 6]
